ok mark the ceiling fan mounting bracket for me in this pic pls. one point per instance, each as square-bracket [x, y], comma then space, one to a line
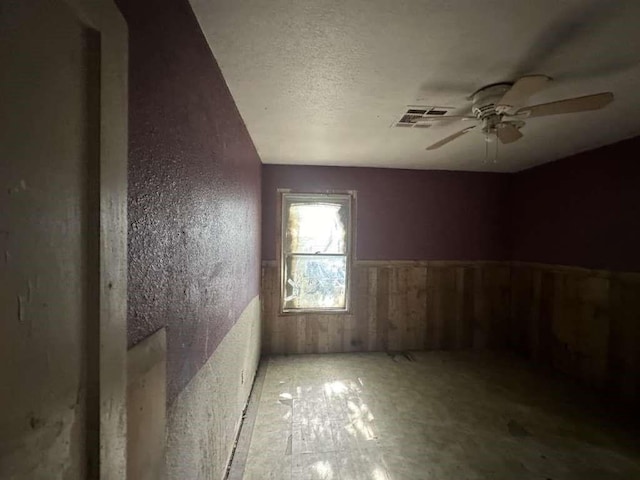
[505, 86]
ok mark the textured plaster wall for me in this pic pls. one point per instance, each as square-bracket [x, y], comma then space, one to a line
[404, 214]
[204, 418]
[194, 191]
[582, 210]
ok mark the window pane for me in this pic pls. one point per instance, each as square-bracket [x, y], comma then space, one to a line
[318, 227]
[315, 282]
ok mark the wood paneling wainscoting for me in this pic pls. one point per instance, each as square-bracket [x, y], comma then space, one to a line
[397, 306]
[585, 323]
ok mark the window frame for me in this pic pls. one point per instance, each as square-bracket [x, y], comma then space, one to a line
[312, 197]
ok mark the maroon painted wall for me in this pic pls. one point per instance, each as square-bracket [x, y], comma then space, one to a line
[404, 214]
[583, 210]
[194, 190]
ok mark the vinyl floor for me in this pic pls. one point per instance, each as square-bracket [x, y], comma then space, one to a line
[428, 416]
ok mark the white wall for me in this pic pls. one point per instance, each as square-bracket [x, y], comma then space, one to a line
[203, 421]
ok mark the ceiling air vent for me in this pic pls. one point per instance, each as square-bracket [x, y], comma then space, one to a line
[410, 117]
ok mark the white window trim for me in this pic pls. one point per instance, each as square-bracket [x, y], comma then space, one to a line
[317, 197]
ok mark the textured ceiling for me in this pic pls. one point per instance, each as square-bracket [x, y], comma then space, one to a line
[320, 82]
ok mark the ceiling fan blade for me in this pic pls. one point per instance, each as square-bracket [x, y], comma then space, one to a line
[570, 105]
[508, 133]
[444, 118]
[520, 92]
[566, 37]
[450, 138]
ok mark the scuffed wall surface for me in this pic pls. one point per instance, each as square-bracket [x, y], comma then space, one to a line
[581, 210]
[404, 214]
[48, 262]
[194, 191]
[204, 419]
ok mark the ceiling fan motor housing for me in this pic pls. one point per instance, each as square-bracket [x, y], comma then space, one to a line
[484, 105]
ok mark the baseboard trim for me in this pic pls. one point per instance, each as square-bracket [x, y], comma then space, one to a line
[240, 451]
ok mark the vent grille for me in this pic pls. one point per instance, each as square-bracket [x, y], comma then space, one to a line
[413, 113]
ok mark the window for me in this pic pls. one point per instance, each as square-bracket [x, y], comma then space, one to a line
[315, 252]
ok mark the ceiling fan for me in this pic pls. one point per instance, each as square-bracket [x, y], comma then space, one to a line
[500, 110]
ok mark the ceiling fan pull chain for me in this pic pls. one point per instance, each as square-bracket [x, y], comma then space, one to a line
[486, 148]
